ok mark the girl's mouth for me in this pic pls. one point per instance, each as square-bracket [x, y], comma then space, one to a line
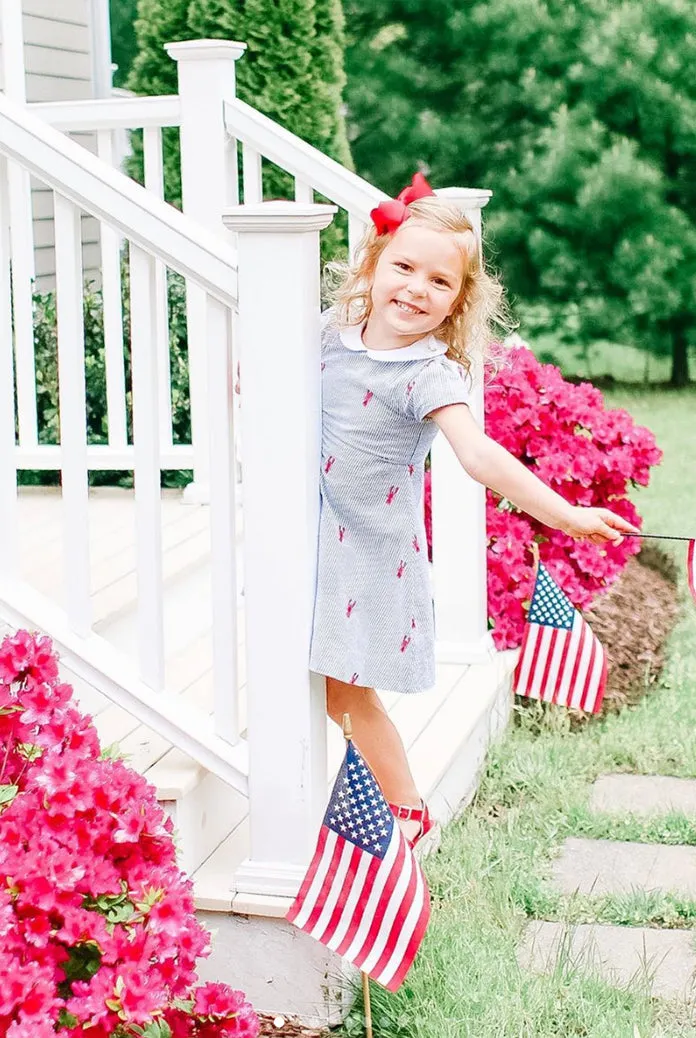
[407, 308]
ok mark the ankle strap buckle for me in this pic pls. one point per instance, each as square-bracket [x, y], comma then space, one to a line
[406, 813]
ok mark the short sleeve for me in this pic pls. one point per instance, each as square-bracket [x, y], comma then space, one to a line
[327, 326]
[439, 382]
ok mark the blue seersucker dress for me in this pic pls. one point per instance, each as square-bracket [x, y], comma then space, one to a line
[373, 618]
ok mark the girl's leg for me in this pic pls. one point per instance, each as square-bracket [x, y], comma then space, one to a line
[378, 741]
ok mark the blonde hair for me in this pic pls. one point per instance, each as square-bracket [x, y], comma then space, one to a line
[480, 304]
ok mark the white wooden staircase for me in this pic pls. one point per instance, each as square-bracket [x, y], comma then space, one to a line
[182, 617]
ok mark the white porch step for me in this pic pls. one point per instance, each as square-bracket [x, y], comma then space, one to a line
[446, 732]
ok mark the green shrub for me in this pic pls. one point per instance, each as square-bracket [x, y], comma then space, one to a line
[46, 360]
[292, 71]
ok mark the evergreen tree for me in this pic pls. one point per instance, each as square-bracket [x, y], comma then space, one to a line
[154, 72]
[330, 79]
[123, 44]
[158, 22]
[581, 117]
[292, 70]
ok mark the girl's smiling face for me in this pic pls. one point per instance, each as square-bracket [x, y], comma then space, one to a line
[416, 285]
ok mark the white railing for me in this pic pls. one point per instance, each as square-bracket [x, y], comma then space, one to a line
[111, 113]
[311, 169]
[102, 125]
[157, 235]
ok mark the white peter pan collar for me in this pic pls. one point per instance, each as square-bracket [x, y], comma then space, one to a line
[422, 349]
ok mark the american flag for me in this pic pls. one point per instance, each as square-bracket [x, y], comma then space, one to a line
[691, 568]
[561, 661]
[364, 895]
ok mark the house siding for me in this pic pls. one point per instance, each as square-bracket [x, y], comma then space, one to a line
[58, 57]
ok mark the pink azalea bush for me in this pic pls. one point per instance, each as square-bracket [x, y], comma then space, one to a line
[587, 453]
[97, 929]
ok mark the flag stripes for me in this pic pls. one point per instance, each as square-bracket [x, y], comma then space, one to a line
[561, 661]
[364, 895]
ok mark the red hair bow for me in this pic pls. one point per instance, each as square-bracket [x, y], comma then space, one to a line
[391, 214]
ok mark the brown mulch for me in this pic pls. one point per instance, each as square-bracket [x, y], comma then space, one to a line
[289, 1027]
[632, 621]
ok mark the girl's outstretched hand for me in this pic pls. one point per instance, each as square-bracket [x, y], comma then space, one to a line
[597, 525]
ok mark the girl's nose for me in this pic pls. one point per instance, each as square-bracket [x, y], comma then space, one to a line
[416, 287]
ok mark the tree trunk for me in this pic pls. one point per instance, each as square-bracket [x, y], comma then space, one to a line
[680, 357]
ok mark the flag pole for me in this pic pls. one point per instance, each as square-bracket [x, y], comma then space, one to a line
[366, 1002]
[348, 735]
[657, 536]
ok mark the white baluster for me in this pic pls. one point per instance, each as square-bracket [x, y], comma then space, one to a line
[148, 502]
[223, 529]
[73, 413]
[206, 76]
[113, 316]
[22, 245]
[303, 191]
[252, 182]
[154, 181]
[459, 523]
[281, 417]
[8, 476]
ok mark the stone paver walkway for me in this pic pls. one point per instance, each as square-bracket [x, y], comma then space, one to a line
[609, 867]
[662, 960]
[643, 795]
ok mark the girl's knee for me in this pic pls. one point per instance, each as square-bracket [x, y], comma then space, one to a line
[342, 698]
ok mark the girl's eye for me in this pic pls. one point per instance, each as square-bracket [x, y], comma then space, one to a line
[442, 282]
[402, 266]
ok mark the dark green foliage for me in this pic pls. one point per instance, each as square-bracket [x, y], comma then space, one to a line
[158, 22]
[154, 72]
[292, 70]
[46, 354]
[123, 45]
[46, 347]
[582, 120]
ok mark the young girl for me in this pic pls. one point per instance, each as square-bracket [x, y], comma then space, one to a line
[396, 356]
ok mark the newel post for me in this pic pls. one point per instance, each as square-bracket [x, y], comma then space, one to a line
[279, 341]
[459, 522]
[206, 77]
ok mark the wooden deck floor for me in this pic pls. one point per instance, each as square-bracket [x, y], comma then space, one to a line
[423, 721]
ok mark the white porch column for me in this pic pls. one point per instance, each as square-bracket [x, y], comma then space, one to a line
[281, 425]
[12, 38]
[206, 75]
[459, 522]
[21, 229]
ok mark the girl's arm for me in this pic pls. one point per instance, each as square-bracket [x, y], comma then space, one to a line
[489, 463]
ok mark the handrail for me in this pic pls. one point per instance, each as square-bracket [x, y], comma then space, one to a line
[109, 113]
[100, 664]
[302, 160]
[159, 229]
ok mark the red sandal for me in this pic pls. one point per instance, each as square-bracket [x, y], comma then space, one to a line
[427, 838]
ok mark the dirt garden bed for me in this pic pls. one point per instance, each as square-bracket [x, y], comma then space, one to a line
[286, 1027]
[633, 621]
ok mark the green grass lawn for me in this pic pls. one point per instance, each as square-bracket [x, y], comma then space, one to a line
[490, 875]
[623, 362]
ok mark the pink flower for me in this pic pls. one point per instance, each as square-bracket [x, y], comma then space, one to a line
[129, 827]
[87, 861]
[24, 656]
[217, 1000]
[591, 455]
